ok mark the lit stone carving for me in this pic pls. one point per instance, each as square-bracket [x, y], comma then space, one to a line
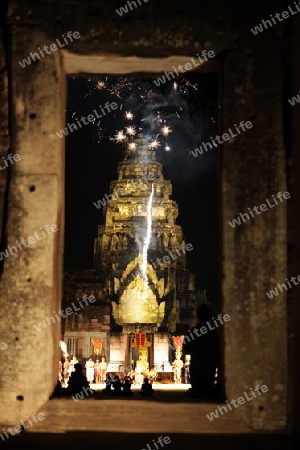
[138, 305]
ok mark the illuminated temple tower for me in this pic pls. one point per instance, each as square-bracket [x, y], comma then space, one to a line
[156, 296]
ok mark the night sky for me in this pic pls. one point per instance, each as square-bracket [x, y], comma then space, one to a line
[92, 158]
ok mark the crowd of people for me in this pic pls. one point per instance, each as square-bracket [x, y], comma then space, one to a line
[202, 360]
[65, 370]
[115, 386]
[71, 379]
[95, 371]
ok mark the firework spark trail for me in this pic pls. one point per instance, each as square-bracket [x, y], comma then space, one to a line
[148, 235]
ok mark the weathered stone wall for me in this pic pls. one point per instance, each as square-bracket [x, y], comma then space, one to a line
[255, 252]
[32, 276]
[252, 169]
[4, 130]
[294, 237]
[161, 349]
[118, 349]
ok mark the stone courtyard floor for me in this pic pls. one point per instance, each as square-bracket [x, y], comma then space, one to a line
[112, 423]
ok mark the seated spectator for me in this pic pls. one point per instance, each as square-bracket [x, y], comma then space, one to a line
[108, 384]
[117, 385]
[77, 381]
[147, 389]
[126, 385]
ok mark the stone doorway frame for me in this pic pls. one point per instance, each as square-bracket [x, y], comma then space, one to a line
[36, 197]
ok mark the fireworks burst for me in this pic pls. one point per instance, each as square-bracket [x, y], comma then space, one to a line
[129, 115]
[166, 130]
[120, 136]
[155, 111]
[131, 131]
[100, 85]
[154, 144]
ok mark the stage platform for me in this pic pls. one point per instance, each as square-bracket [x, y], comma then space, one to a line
[159, 387]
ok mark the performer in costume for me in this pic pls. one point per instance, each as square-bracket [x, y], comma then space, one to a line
[97, 371]
[103, 370]
[89, 365]
[186, 366]
[177, 366]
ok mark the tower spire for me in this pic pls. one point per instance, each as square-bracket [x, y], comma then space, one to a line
[135, 244]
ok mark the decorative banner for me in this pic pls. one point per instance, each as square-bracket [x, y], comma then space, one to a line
[98, 343]
[140, 339]
[178, 341]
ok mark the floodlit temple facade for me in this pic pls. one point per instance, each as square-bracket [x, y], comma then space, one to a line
[140, 280]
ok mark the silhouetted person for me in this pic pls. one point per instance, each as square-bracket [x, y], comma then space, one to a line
[117, 386]
[108, 383]
[126, 385]
[77, 381]
[147, 389]
[205, 354]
